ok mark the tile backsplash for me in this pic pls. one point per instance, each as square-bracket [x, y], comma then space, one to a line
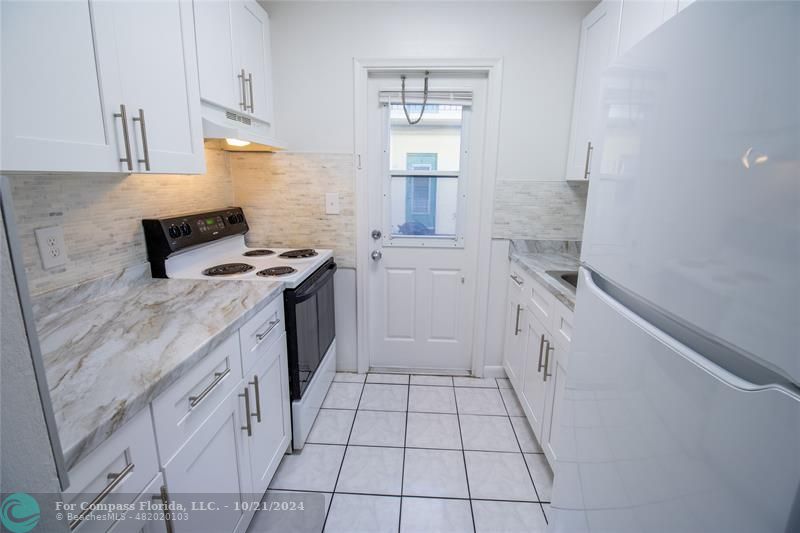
[101, 216]
[539, 210]
[283, 196]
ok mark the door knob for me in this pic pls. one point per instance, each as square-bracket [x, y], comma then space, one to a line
[376, 234]
[376, 255]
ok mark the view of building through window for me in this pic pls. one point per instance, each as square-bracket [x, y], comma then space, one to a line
[425, 204]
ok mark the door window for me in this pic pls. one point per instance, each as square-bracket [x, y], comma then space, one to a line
[425, 182]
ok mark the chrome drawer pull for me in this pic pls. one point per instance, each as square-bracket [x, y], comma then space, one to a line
[243, 103]
[219, 376]
[550, 348]
[123, 114]
[163, 497]
[541, 346]
[250, 84]
[249, 426]
[586, 170]
[519, 281]
[254, 383]
[140, 120]
[116, 479]
[517, 331]
[272, 324]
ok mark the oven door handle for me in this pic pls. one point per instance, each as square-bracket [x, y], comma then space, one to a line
[313, 289]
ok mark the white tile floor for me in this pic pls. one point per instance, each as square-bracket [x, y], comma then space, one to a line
[399, 453]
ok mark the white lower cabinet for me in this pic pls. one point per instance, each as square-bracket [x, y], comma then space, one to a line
[534, 382]
[214, 465]
[219, 437]
[270, 417]
[535, 355]
[148, 521]
[514, 339]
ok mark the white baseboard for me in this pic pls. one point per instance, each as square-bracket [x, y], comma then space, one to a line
[494, 371]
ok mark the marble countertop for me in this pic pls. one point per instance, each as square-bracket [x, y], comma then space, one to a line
[537, 257]
[110, 346]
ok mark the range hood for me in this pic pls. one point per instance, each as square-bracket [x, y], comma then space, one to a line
[219, 125]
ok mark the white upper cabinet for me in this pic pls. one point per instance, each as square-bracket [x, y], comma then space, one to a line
[233, 49]
[215, 55]
[641, 17]
[149, 47]
[75, 76]
[57, 111]
[597, 50]
[253, 50]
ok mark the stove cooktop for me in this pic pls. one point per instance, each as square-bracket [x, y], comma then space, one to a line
[258, 252]
[299, 254]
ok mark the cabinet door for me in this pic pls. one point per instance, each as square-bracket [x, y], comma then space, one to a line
[512, 349]
[149, 47]
[269, 384]
[151, 522]
[553, 410]
[641, 17]
[251, 24]
[216, 462]
[58, 114]
[215, 55]
[534, 382]
[597, 48]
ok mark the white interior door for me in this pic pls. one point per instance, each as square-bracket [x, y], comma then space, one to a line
[424, 199]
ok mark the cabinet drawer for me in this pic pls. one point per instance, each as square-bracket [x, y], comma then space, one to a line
[541, 303]
[260, 332]
[121, 467]
[562, 328]
[180, 410]
[149, 521]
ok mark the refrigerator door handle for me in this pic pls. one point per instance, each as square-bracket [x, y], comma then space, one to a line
[733, 368]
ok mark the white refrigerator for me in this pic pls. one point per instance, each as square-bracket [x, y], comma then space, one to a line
[681, 411]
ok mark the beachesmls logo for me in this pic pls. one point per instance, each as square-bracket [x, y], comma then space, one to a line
[19, 512]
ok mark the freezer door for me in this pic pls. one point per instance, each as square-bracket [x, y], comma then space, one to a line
[694, 202]
[653, 437]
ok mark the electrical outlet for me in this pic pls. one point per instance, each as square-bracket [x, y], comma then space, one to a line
[51, 246]
[332, 203]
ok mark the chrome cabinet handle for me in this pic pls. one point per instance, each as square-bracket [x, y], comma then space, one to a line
[164, 498]
[218, 377]
[518, 280]
[146, 159]
[254, 383]
[250, 84]
[272, 324]
[589, 149]
[541, 346]
[243, 103]
[249, 426]
[516, 326]
[116, 479]
[550, 348]
[123, 114]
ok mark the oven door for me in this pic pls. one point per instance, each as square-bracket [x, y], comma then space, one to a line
[310, 326]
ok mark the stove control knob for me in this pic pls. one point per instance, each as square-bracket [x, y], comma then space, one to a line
[232, 219]
[240, 218]
[186, 229]
[174, 231]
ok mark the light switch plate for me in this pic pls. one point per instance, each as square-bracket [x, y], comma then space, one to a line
[332, 203]
[51, 246]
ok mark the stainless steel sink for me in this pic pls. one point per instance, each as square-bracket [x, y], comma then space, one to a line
[568, 278]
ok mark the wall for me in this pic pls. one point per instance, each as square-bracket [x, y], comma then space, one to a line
[538, 42]
[101, 216]
[26, 458]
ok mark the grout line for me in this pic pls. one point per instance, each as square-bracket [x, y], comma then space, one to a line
[352, 493]
[354, 445]
[403, 470]
[525, 461]
[344, 455]
[464, 458]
